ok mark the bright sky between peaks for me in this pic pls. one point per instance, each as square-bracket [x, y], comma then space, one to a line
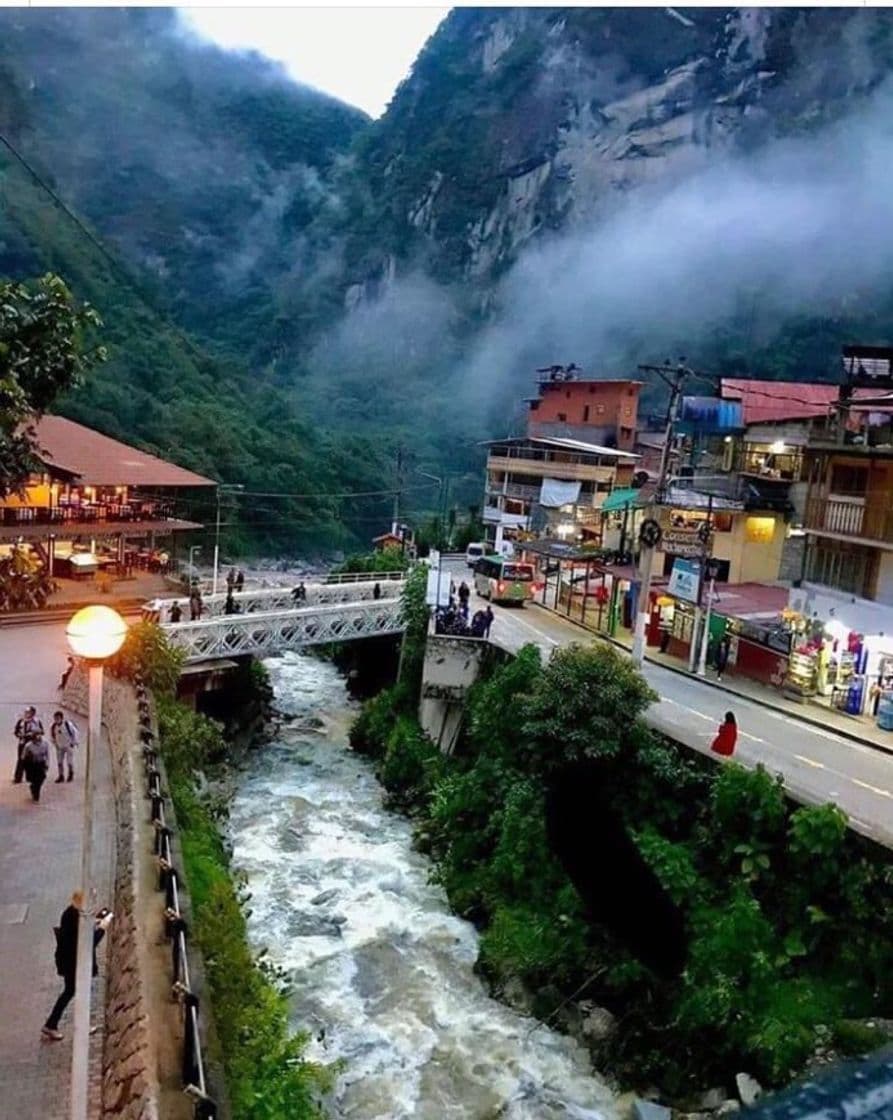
[359, 55]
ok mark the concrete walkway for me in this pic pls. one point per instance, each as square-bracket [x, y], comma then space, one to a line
[39, 868]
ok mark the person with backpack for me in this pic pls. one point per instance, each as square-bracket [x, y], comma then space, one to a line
[64, 733]
[27, 727]
[726, 737]
[67, 957]
[36, 757]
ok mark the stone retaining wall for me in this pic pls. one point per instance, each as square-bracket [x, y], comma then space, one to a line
[130, 1087]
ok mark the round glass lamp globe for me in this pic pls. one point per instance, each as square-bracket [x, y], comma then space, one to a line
[96, 633]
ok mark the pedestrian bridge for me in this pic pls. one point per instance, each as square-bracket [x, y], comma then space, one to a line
[272, 622]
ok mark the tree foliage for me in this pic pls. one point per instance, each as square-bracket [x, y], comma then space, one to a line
[44, 334]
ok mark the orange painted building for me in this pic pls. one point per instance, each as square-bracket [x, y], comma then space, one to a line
[597, 411]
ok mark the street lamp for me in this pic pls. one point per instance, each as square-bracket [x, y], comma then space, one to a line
[229, 489]
[94, 634]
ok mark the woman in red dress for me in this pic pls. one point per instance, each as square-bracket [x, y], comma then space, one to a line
[727, 736]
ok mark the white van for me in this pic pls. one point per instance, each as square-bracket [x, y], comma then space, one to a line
[475, 551]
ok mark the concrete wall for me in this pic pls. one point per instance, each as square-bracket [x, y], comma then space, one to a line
[862, 615]
[130, 1087]
[451, 667]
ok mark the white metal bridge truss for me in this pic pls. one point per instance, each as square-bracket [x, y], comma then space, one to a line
[262, 633]
[281, 598]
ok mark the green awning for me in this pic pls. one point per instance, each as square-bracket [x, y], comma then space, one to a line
[617, 499]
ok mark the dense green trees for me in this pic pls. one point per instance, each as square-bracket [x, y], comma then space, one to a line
[789, 925]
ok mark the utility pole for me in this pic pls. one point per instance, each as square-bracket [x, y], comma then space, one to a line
[399, 475]
[650, 532]
[708, 572]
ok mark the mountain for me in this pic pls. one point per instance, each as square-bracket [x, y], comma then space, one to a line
[603, 186]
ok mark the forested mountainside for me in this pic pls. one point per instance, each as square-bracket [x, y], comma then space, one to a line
[601, 186]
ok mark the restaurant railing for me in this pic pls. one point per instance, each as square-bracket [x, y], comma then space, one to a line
[86, 514]
[192, 1071]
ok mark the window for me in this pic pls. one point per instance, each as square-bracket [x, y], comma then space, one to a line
[835, 564]
[848, 480]
[585, 413]
[562, 416]
[600, 409]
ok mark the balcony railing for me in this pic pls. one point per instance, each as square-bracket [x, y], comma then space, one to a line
[86, 513]
[850, 519]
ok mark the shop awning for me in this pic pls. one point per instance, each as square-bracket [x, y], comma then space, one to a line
[617, 499]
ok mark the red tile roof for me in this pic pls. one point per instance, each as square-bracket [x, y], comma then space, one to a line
[767, 401]
[101, 461]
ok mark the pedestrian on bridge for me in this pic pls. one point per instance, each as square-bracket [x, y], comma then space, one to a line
[376, 591]
[231, 579]
[196, 604]
[726, 737]
[299, 595]
[488, 620]
[176, 612]
[240, 580]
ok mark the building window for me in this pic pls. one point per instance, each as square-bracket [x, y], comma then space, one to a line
[600, 409]
[835, 564]
[562, 416]
[848, 480]
[585, 413]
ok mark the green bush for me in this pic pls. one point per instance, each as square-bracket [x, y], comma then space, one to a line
[411, 763]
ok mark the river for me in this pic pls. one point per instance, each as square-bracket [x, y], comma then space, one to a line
[382, 971]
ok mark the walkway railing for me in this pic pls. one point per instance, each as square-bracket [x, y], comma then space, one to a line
[263, 633]
[193, 1065]
[282, 598]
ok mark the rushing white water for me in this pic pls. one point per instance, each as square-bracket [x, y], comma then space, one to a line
[382, 970]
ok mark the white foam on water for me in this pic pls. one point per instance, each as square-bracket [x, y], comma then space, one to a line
[382, 971]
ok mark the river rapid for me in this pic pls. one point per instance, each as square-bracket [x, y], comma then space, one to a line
[382, 971]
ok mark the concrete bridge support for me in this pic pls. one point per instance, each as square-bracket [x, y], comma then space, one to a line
[450, 669]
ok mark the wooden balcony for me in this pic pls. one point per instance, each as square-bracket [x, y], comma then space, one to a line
[550, 468]
[850, 519]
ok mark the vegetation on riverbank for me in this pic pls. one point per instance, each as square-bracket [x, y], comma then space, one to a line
[789, 928]
[267, 1076]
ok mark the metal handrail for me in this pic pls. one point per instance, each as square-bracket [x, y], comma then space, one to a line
[193, 1066]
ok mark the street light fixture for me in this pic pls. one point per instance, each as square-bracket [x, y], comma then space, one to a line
[232, 488]
[94, 634]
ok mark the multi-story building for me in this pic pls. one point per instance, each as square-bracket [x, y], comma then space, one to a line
[571, 406]
[550, 486]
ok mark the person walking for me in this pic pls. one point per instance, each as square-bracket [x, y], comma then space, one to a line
[299, 593]
[464, 594]
[36, 756]
[196, 604]
[67, 958]
[488, 620]
[27, 727]
[726, 737]
[64, 733]
[231, 580]
[376, 591]
[722, 655]
[176, 612]
[69, 669]
[240, 580]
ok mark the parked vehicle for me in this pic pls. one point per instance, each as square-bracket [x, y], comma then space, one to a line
[504, 581]
[475, 551]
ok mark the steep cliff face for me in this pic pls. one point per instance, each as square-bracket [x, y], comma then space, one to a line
[516, 122]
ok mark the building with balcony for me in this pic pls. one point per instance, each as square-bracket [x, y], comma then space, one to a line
[569, 405]
[550, 486]
[92, 501]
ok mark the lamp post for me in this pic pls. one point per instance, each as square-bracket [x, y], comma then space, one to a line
[712, 570]
[229, 489]
[193, 549]
[94, 634]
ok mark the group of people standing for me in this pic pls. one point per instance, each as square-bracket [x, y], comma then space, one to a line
[455, 618]
[33, 749]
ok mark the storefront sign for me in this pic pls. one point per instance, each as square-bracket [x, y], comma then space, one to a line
[685, 580]
[682, 542]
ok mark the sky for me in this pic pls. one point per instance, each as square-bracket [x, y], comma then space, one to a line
[359, 55]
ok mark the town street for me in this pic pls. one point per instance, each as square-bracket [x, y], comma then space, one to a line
[817, 765]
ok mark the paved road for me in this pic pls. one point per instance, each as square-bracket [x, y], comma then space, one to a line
[818, 765]
[39, 868]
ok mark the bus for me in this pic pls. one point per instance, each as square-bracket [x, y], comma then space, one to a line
[504, 581]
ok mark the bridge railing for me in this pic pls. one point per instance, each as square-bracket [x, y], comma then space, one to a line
[263, 633]
[279, 598]
[193, 1064]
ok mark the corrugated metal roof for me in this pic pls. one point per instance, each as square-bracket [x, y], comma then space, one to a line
[563, 445]
[767, 401]
[98, 460]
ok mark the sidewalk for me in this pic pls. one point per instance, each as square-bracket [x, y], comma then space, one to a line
[860, 730]
[39, 868]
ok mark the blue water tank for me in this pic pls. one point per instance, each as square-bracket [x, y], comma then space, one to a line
[885, 713]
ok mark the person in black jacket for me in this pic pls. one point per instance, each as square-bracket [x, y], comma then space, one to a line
[67, 957]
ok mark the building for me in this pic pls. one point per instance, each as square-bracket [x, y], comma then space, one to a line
[595, 410]
[91, 500]
[550, 486]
